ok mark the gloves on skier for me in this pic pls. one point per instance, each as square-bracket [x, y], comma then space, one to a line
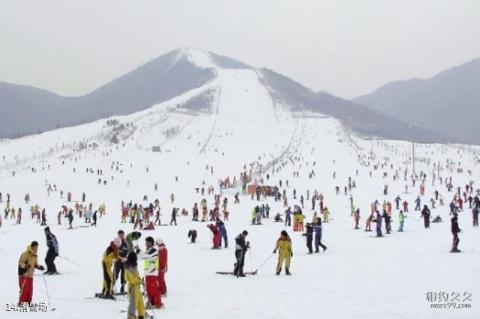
[41, 268]
[274, 251]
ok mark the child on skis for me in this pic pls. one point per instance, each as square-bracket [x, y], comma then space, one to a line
[135, 297]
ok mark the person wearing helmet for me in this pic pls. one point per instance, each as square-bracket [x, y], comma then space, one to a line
[162, 266]
[285, 253]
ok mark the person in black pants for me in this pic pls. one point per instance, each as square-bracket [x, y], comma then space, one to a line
[241, 247]
[455, 230]
[426, 216]
[94, 219]
[309, 235]
[119, 266]
[52, 252]
[475, 212]
[174, 217]
[317, 227]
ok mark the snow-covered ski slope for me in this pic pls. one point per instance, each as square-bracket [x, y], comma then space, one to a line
[359, 276]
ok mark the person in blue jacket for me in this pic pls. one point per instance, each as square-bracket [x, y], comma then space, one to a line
[317, 228]
[52, 252]
[223, 232]
[288, 217]
[378, 220]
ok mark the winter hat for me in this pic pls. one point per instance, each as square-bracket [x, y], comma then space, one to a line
[117, 242]
[160, 242]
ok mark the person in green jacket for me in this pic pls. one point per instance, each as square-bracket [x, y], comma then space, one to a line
[131, 237]
[401, 220]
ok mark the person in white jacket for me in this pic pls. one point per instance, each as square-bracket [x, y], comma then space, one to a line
[150, 257]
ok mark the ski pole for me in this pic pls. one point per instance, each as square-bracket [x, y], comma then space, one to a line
[264, 262]
[251, 259]
[46, 288]
[67, 259]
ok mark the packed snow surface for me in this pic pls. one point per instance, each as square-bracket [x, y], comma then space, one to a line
[242, 129]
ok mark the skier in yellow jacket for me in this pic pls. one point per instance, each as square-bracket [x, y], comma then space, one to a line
[285, 253]
[135, 298]
[26, 267]
[109, 257]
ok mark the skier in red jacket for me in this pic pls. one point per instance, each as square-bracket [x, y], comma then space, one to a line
[217, 237]
[162, 266]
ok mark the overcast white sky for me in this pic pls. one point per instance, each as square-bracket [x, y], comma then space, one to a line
[348, 48]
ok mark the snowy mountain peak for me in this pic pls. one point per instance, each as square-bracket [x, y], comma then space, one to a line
[203, 59]
[200, 58]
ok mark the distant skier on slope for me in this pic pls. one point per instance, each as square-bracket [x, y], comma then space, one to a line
[426, 216]
[401, 220]
[378, 221]
[455, 230]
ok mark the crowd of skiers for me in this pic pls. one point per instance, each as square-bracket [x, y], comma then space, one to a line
[122, 255]
[120, 261]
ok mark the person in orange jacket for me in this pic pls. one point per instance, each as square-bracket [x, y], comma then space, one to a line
[162, 266]
[26, 267]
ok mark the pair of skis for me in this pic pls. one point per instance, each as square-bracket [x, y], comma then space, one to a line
[249, 272]
[231, 273]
